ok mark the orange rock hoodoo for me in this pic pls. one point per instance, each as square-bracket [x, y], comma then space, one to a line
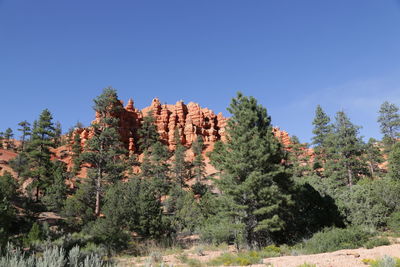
[190, 120]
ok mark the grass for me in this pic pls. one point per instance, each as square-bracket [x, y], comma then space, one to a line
[183, 258]
[385, 261]
[246, 257]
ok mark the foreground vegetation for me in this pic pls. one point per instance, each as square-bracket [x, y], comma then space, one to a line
[266, 199]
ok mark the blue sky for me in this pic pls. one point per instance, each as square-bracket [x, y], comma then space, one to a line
[290, 55]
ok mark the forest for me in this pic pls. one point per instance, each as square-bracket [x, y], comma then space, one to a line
[266, 198]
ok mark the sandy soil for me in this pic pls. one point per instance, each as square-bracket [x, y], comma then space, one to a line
[341, 258]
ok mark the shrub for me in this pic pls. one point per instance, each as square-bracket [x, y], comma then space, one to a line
[394, 222]
[51, 257]
[386, 261]
[34, 235]
[246, 257]
[376, 242]
[332, 239]
[183, 258]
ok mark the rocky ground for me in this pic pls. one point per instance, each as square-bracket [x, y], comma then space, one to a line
[341, 258]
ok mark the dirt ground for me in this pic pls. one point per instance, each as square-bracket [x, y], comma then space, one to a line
[341, 258]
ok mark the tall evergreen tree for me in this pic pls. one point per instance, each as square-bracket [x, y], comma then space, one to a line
[56, 193]
[299, 158]
[179, 164]
[394, 162]
[8, 138]
[253, 181]
[147, 132]
[57, 134]
[198, 162]
[322, 127]
[38, 152]
[344, 152]
[322, 130]
[20, 162]
[76, 153]
[25, 129]
[389, 120]
[104, 150]
[373, 157]
[156, 169]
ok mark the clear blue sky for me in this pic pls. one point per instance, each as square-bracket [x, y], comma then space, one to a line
[290, 55]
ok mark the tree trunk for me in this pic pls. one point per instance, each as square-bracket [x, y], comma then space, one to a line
[98, 187]
[350, 177]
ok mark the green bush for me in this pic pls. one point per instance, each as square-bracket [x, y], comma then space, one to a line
[51, 257]
[183, 258]
[246, 257]
[394, 222]
[386, 261]
[34, 235]
[376, 242]
[332, 239]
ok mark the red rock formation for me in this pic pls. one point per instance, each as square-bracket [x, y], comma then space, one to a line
[189, 120]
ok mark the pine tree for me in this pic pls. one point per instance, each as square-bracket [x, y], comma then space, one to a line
[344, 151]
[148, 133]
[155, 168]
[104, 151]
[57, 134]
[179, 164]
[322, 130]
[394, 162]
[253, 181]
[8, 136]
[20, 163]
[132, 206]
[38, 152]
[373, 157]
[56, 193]
[25, 132]
[299, 158]
[389, 119]
[198, 162]
[1, 140]
[76, 153]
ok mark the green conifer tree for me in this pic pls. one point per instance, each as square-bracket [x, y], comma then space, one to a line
[156, 169]
[198, 162]
[179, 164]
[25, 129]
[38, 152]
[374, 158]
[104, 151]
[299, 158]
[148, 135]
[344, 151]
[389, 120]
[394, 162]
[8, 139]
[57, 134]
[56, 193]
[253, 181]
[76, 153]
[322, 130]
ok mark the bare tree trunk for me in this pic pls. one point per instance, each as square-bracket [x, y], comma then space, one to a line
[350, 177]
[98, 187]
